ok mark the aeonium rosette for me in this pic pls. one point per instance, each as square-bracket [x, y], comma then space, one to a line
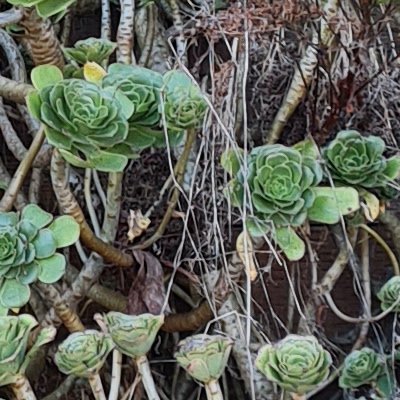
[283, 187]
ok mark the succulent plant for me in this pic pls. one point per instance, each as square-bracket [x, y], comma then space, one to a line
[45, 8]
[83, 354]
[282, 182]
[184, 105]
[28, 244]
[204, 357]
[389, 294]
[133, 335]
[358, 161]
[86, 123]
[361, 367]
[296, 363]
[14, 334]
[90, 49]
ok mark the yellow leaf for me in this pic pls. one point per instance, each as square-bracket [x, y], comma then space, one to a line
[245, 250]
[372, 206]
[93, 72]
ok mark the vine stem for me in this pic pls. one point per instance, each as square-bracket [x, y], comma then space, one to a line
[147, 378]
[384, 245]
[13, 90]
[213, 390]
[97, 387]
[116, 375]
[22, 389]
[11, 193]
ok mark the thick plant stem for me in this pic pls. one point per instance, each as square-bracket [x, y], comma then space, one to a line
[44, 45]
[147, 378]
[13, 90]
[70, 206]
[304, 73]
[298, 396]
[125, 32]
[179, 174]
[97, 387]
[213, 391]
[11, 193]
[22, 389]
[116, 375]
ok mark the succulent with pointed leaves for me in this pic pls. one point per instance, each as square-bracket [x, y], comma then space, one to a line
[389, 294]
[14, 334]
[90, 50]
[28, 251]
[361, 367]
[358, 161]
[184, 105]
[45, 8]
[296, 363]
[83, 354]
[283, 186]
[133, 334]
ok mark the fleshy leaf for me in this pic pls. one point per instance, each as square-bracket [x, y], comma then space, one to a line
[65, 231]
[33, 102]
[307, 148]
[93, 72]
[45, 244]
[331, 203]
[14, 294]
[36, 216]
[290, 243]
[231, 161]
[45, 75]
[51, 269]
[109, 162]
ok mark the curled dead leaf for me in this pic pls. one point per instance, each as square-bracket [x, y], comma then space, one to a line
[245, 250]
[137, 223]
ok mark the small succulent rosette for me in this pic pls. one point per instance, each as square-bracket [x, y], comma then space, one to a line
[204, 357]
[358, 161]
[389, 294]
[14, 335]
[133, 335]
[45, 8]
[361, 367]
[28, 251]
[296, 363]
[83, 354]
[90, 50]
[283, 183]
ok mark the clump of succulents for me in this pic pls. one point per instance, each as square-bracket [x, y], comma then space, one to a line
[296, 363]
[90, 50]
[134, 336]
[389, 294]
[45, 8]
[102, 123]
[283, 186]
[356, 160]
[204, 358]
[28, 251]
[361, 367]
[14, 358]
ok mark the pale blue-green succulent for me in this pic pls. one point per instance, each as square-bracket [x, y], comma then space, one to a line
[389, 294]
[361, 367]
[133, 335]
[90, 50]
[83, 354]
[28, 251]
[296, 363]
[204, 357]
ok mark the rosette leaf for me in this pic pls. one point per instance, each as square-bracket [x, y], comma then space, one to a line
[90, 50]
[133, 335]
[85, 122]
[204, 357]
[296, 363]
[358, 161]
[389, 294]
[83, 354]
[45, 8]
[28, 244]
[361, 367]
[184, 104]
